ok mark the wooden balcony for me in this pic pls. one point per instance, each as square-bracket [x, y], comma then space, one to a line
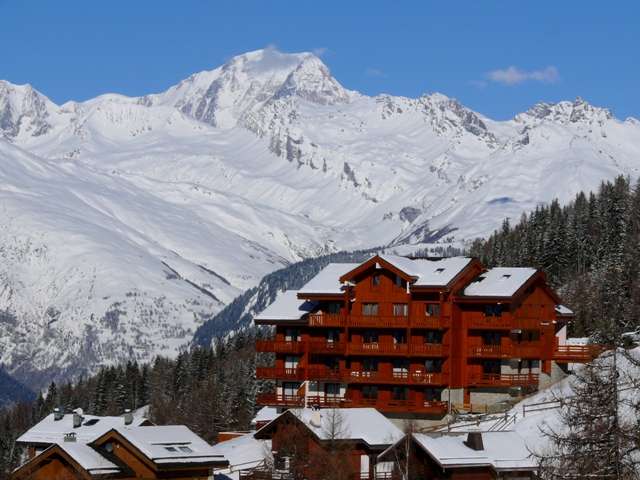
[404, 406]
[576, 353]
[503, 380]
[506, 321]
[429, 349]
[489, 351]
[377, 321]
[326, 347]
[379, 348]
[277, 346]
[275, 400]
[269, 373]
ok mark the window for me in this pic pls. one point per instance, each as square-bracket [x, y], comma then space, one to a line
[370, 336]
[370, 392]
[333, 335]
[491, 366]
[332, 363]
[332, 389]
[491, 338]
[333, 307]
[400, 366]
[291, 361]
[370, 309]
[399, 337]
[370, 365]
[400, 393]
[432, 394]
[433, 365]
[186, 450]
[375, 280]
[170, 449]
[400, 309]
[292, 335]
[493, 310]
[432, 309]
[433, 336]
[290, 389]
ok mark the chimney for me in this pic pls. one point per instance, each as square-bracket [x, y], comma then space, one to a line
[58, 414]
[70, 437]
[474, 441]
[77, 420]
[128, 417]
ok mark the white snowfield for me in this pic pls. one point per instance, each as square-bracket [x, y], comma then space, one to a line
[127, 221]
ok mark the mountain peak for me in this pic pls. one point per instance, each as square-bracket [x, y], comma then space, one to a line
[578, 111]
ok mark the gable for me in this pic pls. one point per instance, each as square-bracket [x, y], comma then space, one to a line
[54, 462]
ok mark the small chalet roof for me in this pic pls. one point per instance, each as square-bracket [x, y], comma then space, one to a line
[49, 430]
[327, 281]
[563, 310]
[503, 450]
[287, 306]
[88, 458]
[170, 444]
[366, 424]
[430, 272]
[265, 414]
[243, 452]
[499, 282]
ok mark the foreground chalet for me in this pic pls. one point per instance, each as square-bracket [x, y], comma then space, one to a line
[67, 447]
[414, 336]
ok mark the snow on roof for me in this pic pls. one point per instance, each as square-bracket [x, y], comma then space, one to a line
[503, 450]
[49, 431]
[287, 306]
[430, 272]
[563, 310]
[88, 458]
[499, 282]
[243, 452]
[327, 281]
[265, 414]
[366, 424]
[170, 444]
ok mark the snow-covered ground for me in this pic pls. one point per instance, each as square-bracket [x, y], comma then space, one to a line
[540, 412]
[125, 222]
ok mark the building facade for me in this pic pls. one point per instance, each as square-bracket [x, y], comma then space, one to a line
[414, 336]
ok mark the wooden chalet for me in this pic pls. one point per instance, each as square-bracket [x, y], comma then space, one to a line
[476, 455]
[124, 451]
[413, 336]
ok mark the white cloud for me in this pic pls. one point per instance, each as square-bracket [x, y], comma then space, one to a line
[375, 72]
[513, 75]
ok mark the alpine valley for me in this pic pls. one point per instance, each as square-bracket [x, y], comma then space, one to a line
[125, 223]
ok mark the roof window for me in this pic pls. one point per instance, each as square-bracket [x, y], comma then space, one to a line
[186, 449]
[439, 270]
[170, 449]
[506, 276]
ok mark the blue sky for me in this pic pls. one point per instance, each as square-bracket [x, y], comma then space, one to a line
[498, 58]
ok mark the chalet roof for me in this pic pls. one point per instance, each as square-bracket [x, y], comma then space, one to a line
[243, 452]
[430, 272]
[503, 450]
[327, 281]
[287, 306]
[365, 424]
[170, 444]
[49, 431]
[265, 414]
[88, 458]
[499, 282]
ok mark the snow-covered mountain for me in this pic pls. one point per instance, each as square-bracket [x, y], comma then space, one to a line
[127, 221]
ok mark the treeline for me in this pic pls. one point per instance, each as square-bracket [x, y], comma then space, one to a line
[590, 250]
[208, 389]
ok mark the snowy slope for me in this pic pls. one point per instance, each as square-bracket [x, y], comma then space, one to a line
[163, 208]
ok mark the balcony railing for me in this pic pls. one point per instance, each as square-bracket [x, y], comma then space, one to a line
[576, 353]
[280, 373]
[324, 346]
[378, 348]
[328, 401]
[489, 351]
[503, 380]
[327, 374]
[504, 322]
[377, 321]
[278, 346]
